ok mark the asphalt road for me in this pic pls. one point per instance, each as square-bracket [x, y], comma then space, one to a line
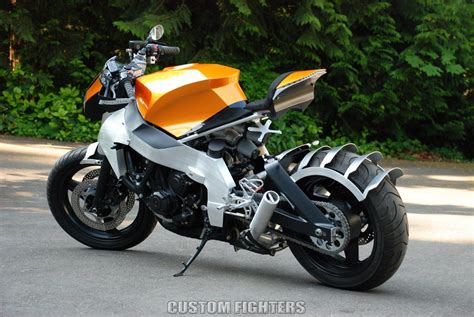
[45, 272]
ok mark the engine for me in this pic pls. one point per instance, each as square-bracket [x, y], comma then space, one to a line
[239, 149]
[178, 201]
[175, 198]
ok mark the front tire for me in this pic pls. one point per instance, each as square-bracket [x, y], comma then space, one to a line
[388, 221]
[61, 183]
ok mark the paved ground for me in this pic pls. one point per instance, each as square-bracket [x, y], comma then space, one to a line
[44, 272]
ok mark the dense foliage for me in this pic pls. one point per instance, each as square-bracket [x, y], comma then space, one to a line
[399, 73]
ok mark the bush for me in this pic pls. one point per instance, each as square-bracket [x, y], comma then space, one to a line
[398, 71]
[29, 111]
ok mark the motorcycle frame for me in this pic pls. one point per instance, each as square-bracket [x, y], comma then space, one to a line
[126, 128]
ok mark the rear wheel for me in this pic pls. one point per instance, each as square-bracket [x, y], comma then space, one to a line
[70, 191]
[375, 255]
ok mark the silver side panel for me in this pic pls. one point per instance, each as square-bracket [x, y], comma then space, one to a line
[113, 131]
[375, 157]
[212, 173]
[91, 150]
[305, 161]
[332, 154]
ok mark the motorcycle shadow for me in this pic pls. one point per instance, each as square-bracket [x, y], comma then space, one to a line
[272, 272]
[160, 262]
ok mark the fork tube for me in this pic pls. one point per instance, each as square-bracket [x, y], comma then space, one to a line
[102, 182]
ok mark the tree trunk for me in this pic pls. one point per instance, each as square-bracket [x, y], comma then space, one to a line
[12, 39]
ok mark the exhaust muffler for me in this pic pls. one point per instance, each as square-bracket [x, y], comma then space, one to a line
[263, 214]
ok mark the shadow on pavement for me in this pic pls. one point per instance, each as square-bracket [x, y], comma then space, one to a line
[440, 209]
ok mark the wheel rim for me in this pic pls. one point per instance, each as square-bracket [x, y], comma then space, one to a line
[349, 262]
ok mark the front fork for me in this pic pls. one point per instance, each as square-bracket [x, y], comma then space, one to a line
[102, 183]
[95, 156]
[133, 179]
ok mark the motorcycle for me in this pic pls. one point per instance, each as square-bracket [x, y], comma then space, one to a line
[184, 147]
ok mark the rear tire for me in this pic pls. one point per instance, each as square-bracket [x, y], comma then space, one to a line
[57, 193]
[389, 222]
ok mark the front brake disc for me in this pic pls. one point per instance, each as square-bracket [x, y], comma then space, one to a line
[85, 192]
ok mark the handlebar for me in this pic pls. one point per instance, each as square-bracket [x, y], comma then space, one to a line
[168, 50]
[152, 49]
[137, 65]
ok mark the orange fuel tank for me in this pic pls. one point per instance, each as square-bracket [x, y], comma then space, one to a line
[179, 98]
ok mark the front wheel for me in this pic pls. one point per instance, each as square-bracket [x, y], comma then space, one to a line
[70, 191]
[375, 255]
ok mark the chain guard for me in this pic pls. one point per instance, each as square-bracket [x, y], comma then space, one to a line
[111, 221]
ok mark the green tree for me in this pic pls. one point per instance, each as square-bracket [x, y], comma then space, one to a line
[397, 70]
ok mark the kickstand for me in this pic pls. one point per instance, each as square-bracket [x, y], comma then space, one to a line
[206, 233]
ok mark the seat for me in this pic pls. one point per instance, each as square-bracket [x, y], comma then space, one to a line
[267, 103]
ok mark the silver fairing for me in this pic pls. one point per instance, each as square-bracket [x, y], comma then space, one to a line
[122, 127]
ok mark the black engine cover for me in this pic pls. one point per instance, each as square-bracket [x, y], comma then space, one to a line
[162, 203]
[179, 183]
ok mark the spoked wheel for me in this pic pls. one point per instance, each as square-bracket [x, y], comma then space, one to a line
[121, 224]
[368, 258]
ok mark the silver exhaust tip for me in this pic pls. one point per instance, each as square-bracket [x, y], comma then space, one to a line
[263, 214]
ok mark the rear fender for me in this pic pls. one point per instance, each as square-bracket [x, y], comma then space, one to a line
[293, 155]
[343, 179]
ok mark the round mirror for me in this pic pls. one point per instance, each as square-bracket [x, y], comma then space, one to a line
[156, 32]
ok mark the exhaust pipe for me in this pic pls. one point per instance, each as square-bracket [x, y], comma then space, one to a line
[263, 214]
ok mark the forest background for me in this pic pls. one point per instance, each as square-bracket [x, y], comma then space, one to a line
[399, 75]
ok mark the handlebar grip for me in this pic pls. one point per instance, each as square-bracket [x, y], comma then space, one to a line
[127, 85]
[169, 50]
